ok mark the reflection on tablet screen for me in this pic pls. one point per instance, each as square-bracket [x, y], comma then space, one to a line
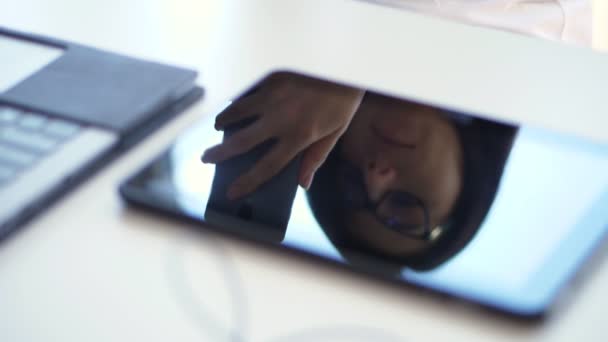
[499, 213]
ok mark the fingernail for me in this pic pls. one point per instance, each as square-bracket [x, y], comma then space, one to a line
[308, 181]
[207, 156]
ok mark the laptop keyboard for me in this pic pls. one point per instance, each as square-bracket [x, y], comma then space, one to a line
[26, 138]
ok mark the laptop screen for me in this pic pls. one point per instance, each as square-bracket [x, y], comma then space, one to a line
[20, 59]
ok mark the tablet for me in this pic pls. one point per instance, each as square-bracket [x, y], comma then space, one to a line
[495, 213]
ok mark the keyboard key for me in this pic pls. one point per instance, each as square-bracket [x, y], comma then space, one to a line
[30, 140]
[14, 156]
[32, 121]
[61, 128]
[8, 115]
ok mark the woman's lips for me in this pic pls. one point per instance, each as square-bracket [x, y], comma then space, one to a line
[387, 139]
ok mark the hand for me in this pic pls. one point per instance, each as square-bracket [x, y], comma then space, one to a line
[303, 115]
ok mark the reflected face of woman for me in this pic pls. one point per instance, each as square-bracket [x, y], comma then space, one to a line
[402, 147]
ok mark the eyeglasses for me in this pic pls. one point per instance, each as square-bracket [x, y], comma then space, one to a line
[399, 211]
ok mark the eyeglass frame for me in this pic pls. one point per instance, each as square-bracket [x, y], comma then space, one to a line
[373, 206]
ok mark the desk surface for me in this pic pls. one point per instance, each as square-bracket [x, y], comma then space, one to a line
[90, 269]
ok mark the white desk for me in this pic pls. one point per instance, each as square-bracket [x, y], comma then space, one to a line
[91, 270]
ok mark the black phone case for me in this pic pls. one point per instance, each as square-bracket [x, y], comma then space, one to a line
[268, 208]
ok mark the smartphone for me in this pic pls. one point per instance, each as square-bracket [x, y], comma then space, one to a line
[499, 214]
[268, 208]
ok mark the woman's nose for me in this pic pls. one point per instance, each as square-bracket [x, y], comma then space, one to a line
[380, 175]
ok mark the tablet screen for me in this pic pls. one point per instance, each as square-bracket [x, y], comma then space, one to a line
[498, 213]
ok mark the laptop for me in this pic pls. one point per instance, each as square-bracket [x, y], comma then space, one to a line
[67, 109]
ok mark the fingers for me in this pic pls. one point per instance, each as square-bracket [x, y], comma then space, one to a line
[241, 142]
[314, 156]
[266, 168]
[239, 110]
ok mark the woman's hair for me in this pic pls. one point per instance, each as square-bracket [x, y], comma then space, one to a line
[486, 146]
